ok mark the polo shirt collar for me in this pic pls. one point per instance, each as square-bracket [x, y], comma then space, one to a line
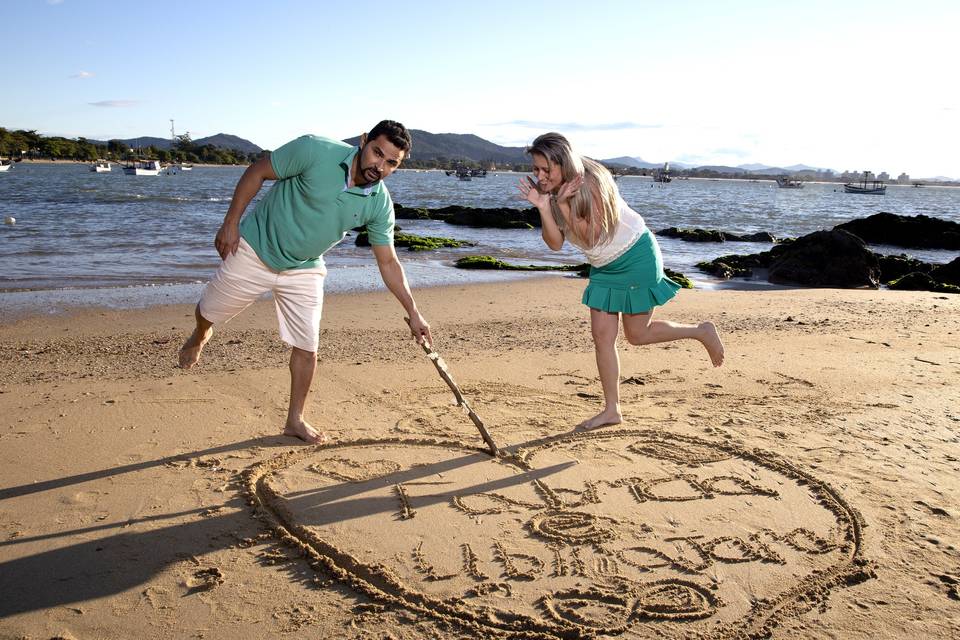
[347, 164]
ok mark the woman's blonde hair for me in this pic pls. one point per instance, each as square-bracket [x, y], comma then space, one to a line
[592, 230]
[557, 150]
[594, 209]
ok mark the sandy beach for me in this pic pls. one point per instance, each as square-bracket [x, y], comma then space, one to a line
[807, 489]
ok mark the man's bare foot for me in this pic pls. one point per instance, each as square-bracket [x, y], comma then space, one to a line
[602, 419]
[711, 340]
[305, 432]
[191, 349]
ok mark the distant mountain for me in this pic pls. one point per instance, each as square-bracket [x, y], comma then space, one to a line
[459, 146]
[143, 142]
[754, 167]
[721, 169]
[227, 141]
[640, 163]
[221, 140]
[802, 167]
[628, 161]
[770, 171]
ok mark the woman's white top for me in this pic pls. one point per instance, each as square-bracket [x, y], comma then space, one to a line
[629, 229]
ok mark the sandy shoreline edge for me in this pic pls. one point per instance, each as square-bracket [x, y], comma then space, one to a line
[122, 510]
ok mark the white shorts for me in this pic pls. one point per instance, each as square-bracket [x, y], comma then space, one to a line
[297, 295]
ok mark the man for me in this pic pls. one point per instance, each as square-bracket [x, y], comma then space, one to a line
[323, 189]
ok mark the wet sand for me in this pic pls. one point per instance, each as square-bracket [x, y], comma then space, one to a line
[806, 489]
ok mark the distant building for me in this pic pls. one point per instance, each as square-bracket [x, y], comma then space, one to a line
[883, 176]
[903, 178]
[814, 174]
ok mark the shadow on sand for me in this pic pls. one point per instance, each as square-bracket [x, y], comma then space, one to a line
[112, 564]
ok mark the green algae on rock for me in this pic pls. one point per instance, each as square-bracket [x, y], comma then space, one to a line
[488, 262]
[417, 243]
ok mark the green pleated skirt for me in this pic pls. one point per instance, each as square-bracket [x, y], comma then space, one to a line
[633, 283]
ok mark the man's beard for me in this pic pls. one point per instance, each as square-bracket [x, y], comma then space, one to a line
[370, 174]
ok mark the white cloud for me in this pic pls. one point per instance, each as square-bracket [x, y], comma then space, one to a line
[83, 74]
[115, 103]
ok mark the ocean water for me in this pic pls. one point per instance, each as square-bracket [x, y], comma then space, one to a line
[80, 234]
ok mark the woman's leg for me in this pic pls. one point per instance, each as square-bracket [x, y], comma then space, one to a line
[641, 328]
[605, 328]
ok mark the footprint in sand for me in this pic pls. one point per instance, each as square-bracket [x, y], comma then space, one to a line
[205, 579]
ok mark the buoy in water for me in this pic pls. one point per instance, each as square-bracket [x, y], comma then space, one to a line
[9, 220]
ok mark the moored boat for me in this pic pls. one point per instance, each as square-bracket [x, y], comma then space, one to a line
[101, 166]
[662, 175]
[866, 186]
[786, 182]
[143, 168]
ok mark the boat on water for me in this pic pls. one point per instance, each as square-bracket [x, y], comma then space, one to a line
[5, 164]
[101, 166]
[786, 182]
[143, 168]
[662, 175]
[186, 167]
[462, 172]
[866, 186]
[466, 173]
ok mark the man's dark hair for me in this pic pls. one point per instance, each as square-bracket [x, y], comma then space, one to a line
[396, 133]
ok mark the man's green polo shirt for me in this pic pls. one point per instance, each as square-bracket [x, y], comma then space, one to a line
[308, 209]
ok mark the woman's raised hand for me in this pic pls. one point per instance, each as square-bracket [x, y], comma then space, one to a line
[569, 189]
[528, 189]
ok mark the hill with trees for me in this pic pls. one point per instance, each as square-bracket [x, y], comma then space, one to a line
[430, 151]
[446, 150]
[219, 149]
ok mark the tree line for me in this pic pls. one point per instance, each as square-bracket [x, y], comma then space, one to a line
[31, 145]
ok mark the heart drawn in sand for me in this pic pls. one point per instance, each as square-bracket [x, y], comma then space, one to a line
[620, 531]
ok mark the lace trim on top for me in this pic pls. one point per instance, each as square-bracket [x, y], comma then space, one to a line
[629, 230]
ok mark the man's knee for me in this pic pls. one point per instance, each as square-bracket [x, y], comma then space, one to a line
[302, 354]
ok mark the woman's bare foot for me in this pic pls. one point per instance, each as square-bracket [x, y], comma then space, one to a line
[711, 340]
[305, 432]
[602, 419]
[191, 349]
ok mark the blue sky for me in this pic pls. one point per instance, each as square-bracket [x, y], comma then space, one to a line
[845, 85]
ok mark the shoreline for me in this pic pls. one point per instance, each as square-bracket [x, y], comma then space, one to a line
[23, 303]
[119, 163]
[890, 183]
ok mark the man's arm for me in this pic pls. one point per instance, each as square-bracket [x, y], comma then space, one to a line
[396, 280]
[228, 237]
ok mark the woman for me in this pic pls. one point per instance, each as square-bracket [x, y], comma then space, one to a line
[579, 201]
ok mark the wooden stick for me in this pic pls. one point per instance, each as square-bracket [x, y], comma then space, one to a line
[461, 401]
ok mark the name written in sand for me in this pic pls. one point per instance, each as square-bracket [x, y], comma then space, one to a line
[615, 532]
